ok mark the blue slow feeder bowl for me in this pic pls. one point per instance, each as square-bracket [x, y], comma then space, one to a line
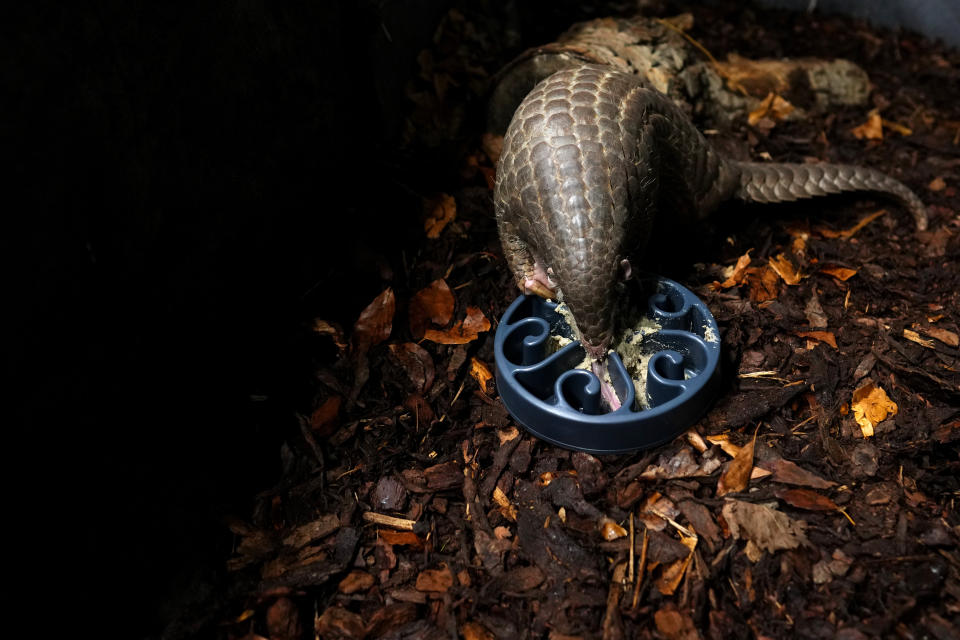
[679, 346]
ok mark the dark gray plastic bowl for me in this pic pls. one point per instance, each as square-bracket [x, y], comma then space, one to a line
[561, 404]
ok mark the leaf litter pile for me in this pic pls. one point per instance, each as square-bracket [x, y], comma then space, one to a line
[818, 497]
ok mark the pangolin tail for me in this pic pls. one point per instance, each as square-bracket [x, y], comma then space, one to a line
[774, 182]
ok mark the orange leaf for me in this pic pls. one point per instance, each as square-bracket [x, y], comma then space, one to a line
[872, 129]
[773, 106]
[763, 283]
[944, 336]
[672, 576]
[375, 322]
[822, 336]
[480, 372]
[871, 406]
[433, 303]
[840, 273]
[475, 631]
[400, 538]
[848, 233]
[806, 499]
[737, 274]
[463, 332]
[785, 269]
[737, 475]
[441, 210]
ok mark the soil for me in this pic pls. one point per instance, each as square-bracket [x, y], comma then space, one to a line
[408, 504]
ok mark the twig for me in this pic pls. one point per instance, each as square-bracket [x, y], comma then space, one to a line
[389, 521]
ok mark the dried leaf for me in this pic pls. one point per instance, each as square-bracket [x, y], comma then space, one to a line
[806, 499]
[400, 538]
[416, 362]
[764, 283]
[814, 312]
[768, 528]
[481, 373]
[672, 576]
[871, 406]
[475, 631]
[434, 303]
[440, 211]
[737, 475]
[944, 336]
[508, 510]
[823, 336]
[849, 233]
[323, 420]
[675, 625]
[723, 441]
[356, 581]
[735, 274]
[330, 329]
[466, 331]
[375, 322]
[610, 530]
[337, 622]
[785, 269]
[773, 107]
[840, 273]
[937, 184]
[786, 472]
[435, 580]
[913, 336]
[872, 129]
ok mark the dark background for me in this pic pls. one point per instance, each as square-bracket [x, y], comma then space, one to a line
[194, 185]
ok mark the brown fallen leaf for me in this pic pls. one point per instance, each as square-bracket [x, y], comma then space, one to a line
[806, 499]
[737, 475]
[468, 330]
[323, 420]
[773, 107]
[736, 273]
[785, 269]
[944, 336]
[871, 406]
[764, 283]
[435, 580]
[937, 184]
[872, 129]
[440, 211]
[332, 330]
[372, 328]
[786, 472]
[675, 625]
[723, 441]
[337, 622]
[416, 362]
[283, 620]
[356, 581]
[849, 233]
[673, 574]
[400, 538]
[610, 530]
[822, 336]
[840, 273]
[768, 528]
[475, 631]
[375, 322]
[507, 509]
[480, 372]
[434, 303]
[913, 336]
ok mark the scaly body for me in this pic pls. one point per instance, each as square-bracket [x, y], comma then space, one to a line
[592, 155]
